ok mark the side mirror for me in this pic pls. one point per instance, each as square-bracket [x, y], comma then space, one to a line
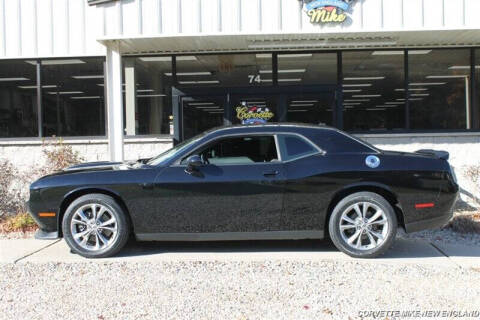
[193, 163]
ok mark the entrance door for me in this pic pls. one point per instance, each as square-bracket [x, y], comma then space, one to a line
[255, 108]
[201, 112]
[201, 108]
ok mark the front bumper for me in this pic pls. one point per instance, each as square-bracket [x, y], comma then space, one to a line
[48, 229]
[45, 235]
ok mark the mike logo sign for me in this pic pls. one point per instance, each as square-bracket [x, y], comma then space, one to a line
[327, 11]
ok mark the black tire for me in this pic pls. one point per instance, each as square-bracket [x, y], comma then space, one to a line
[123, 227]
[345, 204]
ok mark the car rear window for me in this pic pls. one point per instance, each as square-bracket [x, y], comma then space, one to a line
[295, 147]
[333, 141]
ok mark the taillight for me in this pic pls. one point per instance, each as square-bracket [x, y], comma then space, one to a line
[452, 172]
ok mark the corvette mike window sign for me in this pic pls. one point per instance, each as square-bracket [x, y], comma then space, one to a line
[254, 114]
[327, 11]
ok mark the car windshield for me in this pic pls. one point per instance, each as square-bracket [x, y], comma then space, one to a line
[173, 152]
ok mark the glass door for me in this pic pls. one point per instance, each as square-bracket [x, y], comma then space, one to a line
[200, 113]
[254, 108]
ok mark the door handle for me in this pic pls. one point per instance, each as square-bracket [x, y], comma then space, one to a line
[270, 174]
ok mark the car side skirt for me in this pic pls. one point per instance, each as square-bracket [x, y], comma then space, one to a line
[226, 236]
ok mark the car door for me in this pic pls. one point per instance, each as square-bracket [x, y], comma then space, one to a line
[239, 188]
[307, 187]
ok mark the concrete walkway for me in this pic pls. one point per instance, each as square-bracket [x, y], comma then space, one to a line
[403, 252]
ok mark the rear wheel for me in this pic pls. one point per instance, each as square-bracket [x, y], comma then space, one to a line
[363, 225]
[95, 226]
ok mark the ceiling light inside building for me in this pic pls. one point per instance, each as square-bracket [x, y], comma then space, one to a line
[290, 80]
[263, 55]
[352, 90]
[99, 76]
[285, 71]
[462, 67]
[364, 78]
[304, 101]
[419, 94]
[56, 62]
[302, 105]
[65, 92]
[200, 103]
[376, 109]
[145, 90]
[85, 97]
[191, 73]
[186, 58]
[447, 76]
[427, 83]
[35, 87]
[157, 59]
[366, 95]
[387, 53]
[14, 79]
[399, 52]
[356, 100]
[357, 85]
[413, 89]
[295, 55]
[199, 82]
[150, 95]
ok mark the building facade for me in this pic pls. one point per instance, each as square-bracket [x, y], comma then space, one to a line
[126, 79]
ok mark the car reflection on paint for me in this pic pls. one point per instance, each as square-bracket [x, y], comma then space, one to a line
[272, 181]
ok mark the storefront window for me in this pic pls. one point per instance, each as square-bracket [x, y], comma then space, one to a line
[373, 90]
[73, 97]
[308, 69]
[18, 99]
[147, 95]
[225, 70]
[439, 83]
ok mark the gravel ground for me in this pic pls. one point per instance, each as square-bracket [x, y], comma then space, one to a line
[17, 235]
[231, 290]
[445, 236]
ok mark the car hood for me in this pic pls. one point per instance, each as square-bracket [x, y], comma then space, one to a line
[98, 165]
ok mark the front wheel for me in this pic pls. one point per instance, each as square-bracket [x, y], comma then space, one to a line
[363, 225]
[95, 226]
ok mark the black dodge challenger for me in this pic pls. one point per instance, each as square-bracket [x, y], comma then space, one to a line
[273, 181]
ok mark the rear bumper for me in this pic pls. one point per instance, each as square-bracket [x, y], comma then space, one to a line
[433, 223]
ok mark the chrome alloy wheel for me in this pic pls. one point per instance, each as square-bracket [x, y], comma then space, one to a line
[94, 227]
[364, 225]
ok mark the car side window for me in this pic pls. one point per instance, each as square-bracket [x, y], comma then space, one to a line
[293, 147]
[240, 150]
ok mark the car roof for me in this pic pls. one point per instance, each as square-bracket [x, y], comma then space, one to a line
[272, 127]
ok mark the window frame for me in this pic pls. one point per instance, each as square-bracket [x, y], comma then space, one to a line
[178, 162]
[301, 156]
